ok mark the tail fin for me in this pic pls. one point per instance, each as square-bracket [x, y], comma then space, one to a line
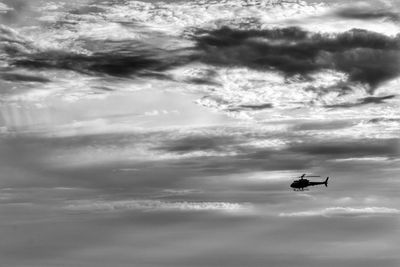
[326, 181]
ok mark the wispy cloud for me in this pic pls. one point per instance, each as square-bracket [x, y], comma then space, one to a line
[364, 101]
[4, 8]
[154, 206]
[344, 211]
[367, 159]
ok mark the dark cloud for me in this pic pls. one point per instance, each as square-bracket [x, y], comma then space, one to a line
[22, 78]
[367, 14]
[378, 120]
[199, 143]
[372, 66]
[104, 88]
[252, 107]
[347, 149]
[111, 64]
[114, 58]
[90, 9]
[14, 44]
[364, 101]
[376, 100]
[367, 57]
[325, 125]
[202, 81]
[226, 151]
[227, 37]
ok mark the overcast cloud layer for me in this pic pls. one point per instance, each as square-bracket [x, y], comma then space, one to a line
[167, 133]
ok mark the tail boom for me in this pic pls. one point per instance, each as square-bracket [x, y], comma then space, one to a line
[319, 183]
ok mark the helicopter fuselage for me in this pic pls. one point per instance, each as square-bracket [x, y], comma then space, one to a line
[303, 183]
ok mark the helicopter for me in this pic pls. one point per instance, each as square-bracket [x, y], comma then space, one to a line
[300, 184]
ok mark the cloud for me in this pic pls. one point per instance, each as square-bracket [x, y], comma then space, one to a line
[387, 120]
[322, 125]
[153, 205]
[85, 10]
[118, 58]
[366, 57]
[4, 8]
[252, 107]
[364, 101]
[12, 43]
[118, 63]
[89, 45]
[369, 159]
[367, 14]
[199, 143]
[344, 211]
[175, 17]
[12, 11]
[349, 149]
[22, 78]
[376, 100]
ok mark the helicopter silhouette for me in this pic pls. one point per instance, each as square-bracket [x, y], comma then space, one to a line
[302, 183]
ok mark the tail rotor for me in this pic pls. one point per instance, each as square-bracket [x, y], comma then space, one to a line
[326, 181]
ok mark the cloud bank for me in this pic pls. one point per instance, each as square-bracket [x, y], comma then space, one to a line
[366, 57]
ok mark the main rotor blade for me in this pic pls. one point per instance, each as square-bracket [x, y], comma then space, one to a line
[313, 176]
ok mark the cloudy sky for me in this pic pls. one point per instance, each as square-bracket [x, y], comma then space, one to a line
[167, 133]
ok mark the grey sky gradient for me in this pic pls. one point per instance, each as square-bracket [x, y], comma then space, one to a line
[167, 133]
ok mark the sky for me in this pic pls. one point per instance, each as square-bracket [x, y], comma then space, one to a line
[167, 133]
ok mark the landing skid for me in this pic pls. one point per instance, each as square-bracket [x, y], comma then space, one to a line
[301, 189]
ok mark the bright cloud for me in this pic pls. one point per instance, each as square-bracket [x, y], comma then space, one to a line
[154, 205]
[344, 211]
